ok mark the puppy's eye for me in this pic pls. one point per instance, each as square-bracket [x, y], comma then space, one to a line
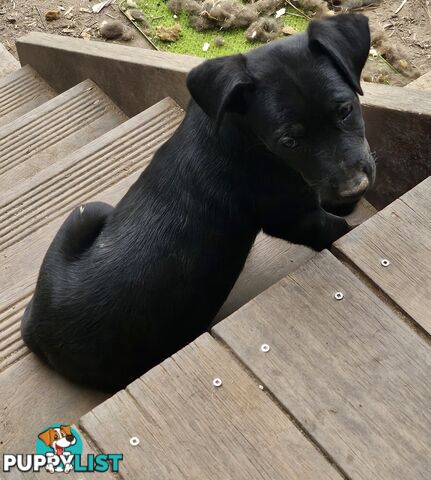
[289, 142]
[345, 109]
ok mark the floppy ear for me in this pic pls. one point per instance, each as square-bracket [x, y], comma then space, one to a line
[218, 85]
[47, 436]
[66, 429]
[346, 39]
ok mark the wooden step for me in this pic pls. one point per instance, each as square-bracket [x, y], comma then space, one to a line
[8, 63]
[102, 170]
[20, 92]
[271, 259]
[401, 234]
[190, 429]
[351, 372]
[47, 133]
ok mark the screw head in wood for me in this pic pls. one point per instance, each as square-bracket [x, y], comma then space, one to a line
[217, 382]
[384, 262]
[134, 441]
[265, 348]
[339, 296]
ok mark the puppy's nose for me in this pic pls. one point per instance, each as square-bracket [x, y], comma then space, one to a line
[69, 438]
[356, 187]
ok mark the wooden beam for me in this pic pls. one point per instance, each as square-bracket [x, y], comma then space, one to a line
[351, 372]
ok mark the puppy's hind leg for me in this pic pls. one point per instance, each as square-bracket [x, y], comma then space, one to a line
[82, 227]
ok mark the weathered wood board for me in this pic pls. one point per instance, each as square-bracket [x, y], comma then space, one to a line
[189, 429]
[401, 233]
[398, 126]
[33, 397]
[352, 373]
[33, 211]
[271, 259]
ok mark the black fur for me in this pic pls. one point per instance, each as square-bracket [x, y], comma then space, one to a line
[269, 137]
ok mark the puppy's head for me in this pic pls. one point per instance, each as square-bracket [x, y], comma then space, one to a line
[299, 96]
[58, 438]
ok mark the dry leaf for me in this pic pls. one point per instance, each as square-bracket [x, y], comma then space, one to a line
[168, 34]
[51, 15]
[288, 30]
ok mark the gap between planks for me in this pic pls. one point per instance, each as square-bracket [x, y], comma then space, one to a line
[307, 435]
[254, 379]
[95, 448]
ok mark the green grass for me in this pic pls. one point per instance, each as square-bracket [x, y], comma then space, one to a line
[191, 41]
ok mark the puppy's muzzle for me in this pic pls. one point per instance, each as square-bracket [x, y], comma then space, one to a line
[355, 188]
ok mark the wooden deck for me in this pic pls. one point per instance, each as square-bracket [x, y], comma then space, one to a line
[343, 392]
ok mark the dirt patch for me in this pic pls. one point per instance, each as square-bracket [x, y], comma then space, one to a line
[76, 19]
[408, 31]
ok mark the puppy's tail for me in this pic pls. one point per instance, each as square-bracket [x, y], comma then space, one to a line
[82, 227]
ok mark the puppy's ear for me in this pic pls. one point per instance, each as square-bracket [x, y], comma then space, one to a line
[218, 85]
[346, 39]
[66, 429]
[47, 436]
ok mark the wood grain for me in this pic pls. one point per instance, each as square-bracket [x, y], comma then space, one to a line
[189, 429]
[400, 233]
[32, 397]
[34, 210]
[271, 259]
[351, 372]
[62, 125]
[398, 126]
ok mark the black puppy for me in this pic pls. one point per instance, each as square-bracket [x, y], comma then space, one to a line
[267, 138]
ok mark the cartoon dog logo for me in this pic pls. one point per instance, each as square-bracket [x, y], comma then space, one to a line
[59, 439]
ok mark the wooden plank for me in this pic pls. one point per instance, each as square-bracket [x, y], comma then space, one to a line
[398, 120]
[271, 259]
[189, 429]
[32, 212]
[150, 75]
[398, 126]
[362, 212]
[400, 233]
[388, 97]
[21, 92]
[352, 373]
[32, 397]
[58, 127]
